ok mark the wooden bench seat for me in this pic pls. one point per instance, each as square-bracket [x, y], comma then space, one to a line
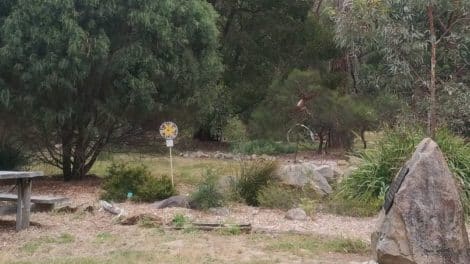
[36, 199]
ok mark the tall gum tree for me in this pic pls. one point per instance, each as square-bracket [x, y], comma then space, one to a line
[425, 45]
[78, 72]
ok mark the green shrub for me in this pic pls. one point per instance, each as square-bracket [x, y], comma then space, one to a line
[263, 147]
[370, 182]
[180, 221]
[122, 179]
[379, 165]
[276, 196]
[308, 205]
[252, 178]
[12, 156]
[235, 131]
[207, 195]
[457, 154]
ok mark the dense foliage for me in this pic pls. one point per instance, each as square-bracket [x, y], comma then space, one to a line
[121, 180]
[417, 49]
[76, 75]
[207, 194]
[252, 178]
[80, 72]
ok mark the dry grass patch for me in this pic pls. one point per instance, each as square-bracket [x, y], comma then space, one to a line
[306, 245]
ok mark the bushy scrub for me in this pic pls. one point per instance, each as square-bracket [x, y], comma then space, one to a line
[263, 147]
[122, 179]
[207, 194]
[379, 165]
[370, 182]
[277, 196]
[252, 178]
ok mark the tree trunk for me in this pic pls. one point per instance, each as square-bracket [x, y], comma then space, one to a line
[363, 138]
[79, 156]
[320, 145]
[67, 154]
[432, 119]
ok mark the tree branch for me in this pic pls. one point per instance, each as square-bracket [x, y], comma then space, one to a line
[449, 28]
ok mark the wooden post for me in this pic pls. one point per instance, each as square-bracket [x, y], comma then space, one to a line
[23, 203]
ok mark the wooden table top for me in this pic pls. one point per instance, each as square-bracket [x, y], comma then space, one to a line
[19, 174]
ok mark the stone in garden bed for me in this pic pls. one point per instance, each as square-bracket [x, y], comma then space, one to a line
[173, 201]
[296, 214]
[425, 223]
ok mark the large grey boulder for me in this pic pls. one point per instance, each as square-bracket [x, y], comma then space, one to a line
[302, 174]
[425, 223]
[326, 172]
[173, 201]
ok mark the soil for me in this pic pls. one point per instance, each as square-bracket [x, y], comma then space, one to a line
[85, 226]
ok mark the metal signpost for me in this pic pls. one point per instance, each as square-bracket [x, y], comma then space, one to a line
[169, 131]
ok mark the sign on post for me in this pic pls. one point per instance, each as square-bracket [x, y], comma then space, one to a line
[169, 131]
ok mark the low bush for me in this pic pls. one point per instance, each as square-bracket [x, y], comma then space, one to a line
[259, 147]
[277, 196]
[180, 221]
[207, 194]
[379, 165]
[370, 182]
[308, 205]
[122, 179]
[252, 178]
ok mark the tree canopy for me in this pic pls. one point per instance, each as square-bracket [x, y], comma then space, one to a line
[415, 49]
[79, 72]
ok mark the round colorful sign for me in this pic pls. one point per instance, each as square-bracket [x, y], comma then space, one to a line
[168, 130]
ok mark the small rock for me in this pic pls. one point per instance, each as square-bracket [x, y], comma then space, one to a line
[342, 163]
[174, 201]
[220, 211]
[265, 157]
[218, 155]
[228, 156]
[296, 214]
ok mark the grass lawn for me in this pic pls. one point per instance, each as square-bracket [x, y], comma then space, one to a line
[89, 238]
[186, 171]
[154, 245]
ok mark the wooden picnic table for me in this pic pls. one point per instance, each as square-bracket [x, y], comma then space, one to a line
[23, 186]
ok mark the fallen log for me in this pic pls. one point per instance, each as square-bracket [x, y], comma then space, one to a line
[243, 228]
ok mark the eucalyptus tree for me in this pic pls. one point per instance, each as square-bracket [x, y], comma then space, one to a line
[259, 42]
[423, 44]
[78, 72]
